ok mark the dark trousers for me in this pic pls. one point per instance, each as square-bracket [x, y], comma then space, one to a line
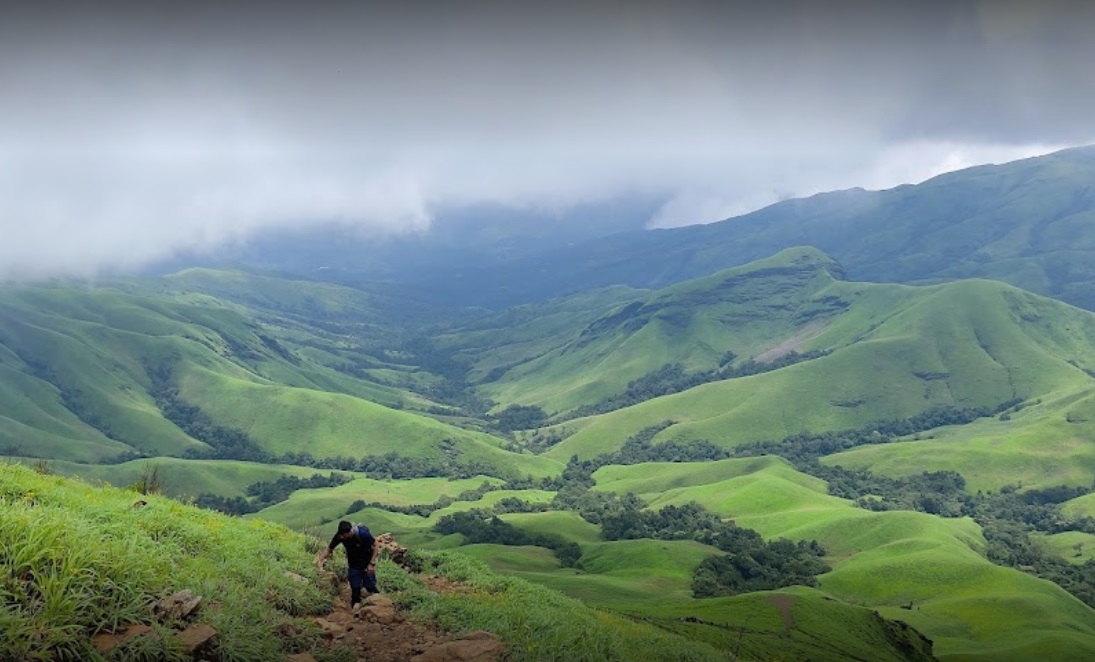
[361, 577]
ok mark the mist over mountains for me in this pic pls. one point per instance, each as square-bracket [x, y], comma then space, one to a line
[1027, 222]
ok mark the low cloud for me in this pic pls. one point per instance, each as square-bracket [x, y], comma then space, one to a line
[131, 132]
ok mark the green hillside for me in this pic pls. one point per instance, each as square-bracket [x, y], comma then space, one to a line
[95, 374]
[891, 352]
[763, 310]
[222, 380]
[1043, 445]
[182, 478]
[58, 593]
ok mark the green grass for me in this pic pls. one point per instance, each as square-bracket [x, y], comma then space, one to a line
[184, 479]
[490, 499]
[80, 560]
[567, 525]
[1044, 445]
[748, 310]
[306, 508]
[76, 366]
[58, 594]
[1073, 546]
[283, 420]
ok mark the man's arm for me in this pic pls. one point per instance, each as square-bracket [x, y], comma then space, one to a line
[326, 553]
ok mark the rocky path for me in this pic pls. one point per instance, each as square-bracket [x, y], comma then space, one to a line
[380, 633]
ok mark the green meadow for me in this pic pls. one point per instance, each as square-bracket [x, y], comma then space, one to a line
[184, 479]
[1047, 443]
[306, 508]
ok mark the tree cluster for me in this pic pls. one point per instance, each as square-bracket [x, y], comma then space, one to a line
[804, 447]
[480, 526]
[520, 417]
[267, 493]
[672, 378]
[394, 465]
[751, 563]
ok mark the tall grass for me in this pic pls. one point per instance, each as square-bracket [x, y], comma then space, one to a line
[76, 560]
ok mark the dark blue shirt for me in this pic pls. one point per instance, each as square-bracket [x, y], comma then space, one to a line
[359, 547]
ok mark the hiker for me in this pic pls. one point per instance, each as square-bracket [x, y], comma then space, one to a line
[361, 553]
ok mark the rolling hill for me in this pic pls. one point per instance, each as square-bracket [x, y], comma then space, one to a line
[880, 352]
[96, 374]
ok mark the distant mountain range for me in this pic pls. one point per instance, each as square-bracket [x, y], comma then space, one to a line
[1030, 223]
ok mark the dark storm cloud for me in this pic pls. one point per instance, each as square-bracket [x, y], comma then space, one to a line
[128, 131]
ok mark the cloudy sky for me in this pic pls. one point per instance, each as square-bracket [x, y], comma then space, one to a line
[131, 131]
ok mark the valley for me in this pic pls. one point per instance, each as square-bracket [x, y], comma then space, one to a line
[907, 424]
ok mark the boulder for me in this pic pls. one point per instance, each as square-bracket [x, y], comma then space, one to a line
[330, 629]
[178, 606]
[473, 647]
[198, 639]
[396, 552]
[379, 609]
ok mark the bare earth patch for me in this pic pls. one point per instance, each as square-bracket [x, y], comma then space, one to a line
[794, 343]
[785, 604]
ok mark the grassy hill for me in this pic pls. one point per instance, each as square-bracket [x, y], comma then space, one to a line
[765, 308]
[1043, 445]
[886, 352]
[94, 374]
[79, 560]
[922, 569]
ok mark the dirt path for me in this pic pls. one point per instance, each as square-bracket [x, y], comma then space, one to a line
[380, 633]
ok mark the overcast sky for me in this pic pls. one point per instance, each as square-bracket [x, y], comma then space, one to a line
[130, 131]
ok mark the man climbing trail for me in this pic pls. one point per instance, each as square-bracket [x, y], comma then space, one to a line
[361, 555]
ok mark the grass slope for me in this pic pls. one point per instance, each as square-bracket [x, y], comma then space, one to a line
[284, 419]
[78, 370]
[57, 593]
[896, 351]
[182, 479]
[306, 508]
[749, 311]
[1043, 445]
